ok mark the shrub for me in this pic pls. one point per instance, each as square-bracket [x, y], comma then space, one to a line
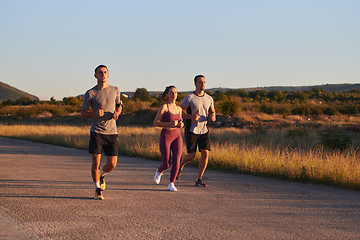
[220, 96]
[7, 103]
[331, 111]
[72, 101]
[335, 139]
[57, 111]
[230, 107]
[142, 94]
[297, 132]
[24, 101]
[26, 111]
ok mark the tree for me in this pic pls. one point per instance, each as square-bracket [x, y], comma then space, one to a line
[142, 94]
[52, 100]
[7, 102]
[230, 107]
[71, 101]
[357, 91]
[209, 92]
[317, 91]
[24, 101]
[274, 95]
[220, 96]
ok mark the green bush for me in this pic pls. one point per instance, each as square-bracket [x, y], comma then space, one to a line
[230, 107]
[297, 132]
[26, 111]
[71, 101]
[57, 111]
[335, 139]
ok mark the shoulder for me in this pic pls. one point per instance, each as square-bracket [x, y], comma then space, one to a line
[189, 96]
[114, 88]
[94, 88]
[208, 96]
[163, 108]
[91, 91]
[180, 109]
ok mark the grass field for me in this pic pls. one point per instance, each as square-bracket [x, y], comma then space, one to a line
[286, 153]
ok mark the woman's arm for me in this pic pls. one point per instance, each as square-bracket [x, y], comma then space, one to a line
[158, 119]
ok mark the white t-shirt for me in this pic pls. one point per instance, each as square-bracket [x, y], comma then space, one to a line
[200, 105]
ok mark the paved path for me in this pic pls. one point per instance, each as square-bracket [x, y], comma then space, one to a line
[47, 193]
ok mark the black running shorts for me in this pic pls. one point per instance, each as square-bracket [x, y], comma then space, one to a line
[100, 141]
[197, 141]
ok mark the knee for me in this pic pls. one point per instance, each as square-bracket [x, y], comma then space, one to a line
[112, 165]
[191, 156]
[205, 153]
[166, 165]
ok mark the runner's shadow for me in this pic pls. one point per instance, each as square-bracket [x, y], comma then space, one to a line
[46, 197]
[139, 189]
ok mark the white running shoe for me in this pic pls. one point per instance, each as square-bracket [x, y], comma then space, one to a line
[172, 188]
[157, 177]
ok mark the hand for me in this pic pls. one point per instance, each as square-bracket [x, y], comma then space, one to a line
[116, 115]
[99, 113]
[175, 123]
[180, 124]
[213, 117]
[196, 117]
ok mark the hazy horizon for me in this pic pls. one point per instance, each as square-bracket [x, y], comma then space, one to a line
[325, 86]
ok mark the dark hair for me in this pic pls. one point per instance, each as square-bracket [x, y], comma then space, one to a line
[101, 66]
[198, 76]
[163, 96]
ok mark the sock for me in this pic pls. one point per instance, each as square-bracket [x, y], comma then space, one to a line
[102, 173]
[97, 185]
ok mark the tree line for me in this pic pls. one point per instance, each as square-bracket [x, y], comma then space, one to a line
[315, 102]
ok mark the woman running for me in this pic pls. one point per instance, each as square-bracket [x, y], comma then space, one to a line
[169, 118]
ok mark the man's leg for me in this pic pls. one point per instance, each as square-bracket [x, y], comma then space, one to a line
[203, 162]
[110, 164]
[95, 169]
[95, 172]
[190, 146]
[186, 159]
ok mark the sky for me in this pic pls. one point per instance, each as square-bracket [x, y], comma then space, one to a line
[50, 48]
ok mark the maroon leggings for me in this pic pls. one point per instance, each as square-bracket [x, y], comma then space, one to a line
[170, 141]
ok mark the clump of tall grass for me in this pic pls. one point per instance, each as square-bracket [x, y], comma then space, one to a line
[335, 168]
[293, 156]
[67, 136]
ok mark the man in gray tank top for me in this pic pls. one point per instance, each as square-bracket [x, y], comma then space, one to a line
[102, 103]
[199, 106]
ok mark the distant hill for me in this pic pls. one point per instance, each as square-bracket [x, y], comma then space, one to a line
[9, 92]
[327, 87]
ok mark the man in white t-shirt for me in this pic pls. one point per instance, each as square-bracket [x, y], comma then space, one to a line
[199, 106]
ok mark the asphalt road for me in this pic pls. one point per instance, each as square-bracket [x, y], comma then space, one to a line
[47, 193]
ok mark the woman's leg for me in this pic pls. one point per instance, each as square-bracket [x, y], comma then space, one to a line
[165, 152]
[176, 148]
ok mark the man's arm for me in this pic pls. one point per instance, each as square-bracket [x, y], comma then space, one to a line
[91, 114]
[212, 114]
[118, 110]
[189, 116]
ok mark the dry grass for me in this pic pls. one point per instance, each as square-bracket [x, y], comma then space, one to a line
[271, 154]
